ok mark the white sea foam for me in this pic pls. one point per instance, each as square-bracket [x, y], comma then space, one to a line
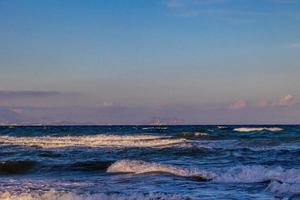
[200, 134]
[192, 134]
[257, 173]
[58, 189]
[56, 195]
[284, 188]
[239, 174]
[138, 167]
[93, 141]
[283, 181]
[257, 129]
[155, 128]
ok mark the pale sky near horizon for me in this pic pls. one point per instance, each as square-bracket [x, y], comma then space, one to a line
[182, 61]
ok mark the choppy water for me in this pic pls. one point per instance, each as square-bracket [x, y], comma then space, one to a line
[149, 162]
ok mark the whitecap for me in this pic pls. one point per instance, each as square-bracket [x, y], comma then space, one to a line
[192, 134]
[155, 128]
[200, 134]
[258, 173]
[139, 166]
[288, 189]
[238, 174]
[57, 195]
[93, 141]
[257, 129]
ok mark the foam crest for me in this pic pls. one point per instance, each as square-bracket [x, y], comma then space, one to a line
[138, 167]
[155, 128]
[257, 129]
[288, 189]
[189, 135]
[92, 141]
[257, 173]
[56, 195]
[239, 174]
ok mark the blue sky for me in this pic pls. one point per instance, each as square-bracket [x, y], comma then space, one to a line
[189, 61]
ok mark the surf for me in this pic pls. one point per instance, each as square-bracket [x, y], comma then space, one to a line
[257, 129]
[140, 167]
[92, 141]
[60, 195]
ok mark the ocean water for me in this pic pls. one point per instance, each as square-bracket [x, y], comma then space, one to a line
[149, 162]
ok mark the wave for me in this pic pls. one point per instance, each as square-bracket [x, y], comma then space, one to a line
[254, 145]
[57, 195]
[15, 167]
[138, 167]
[222, 127]
[281, 181]
[92, 141]
[155, 128]
[91, 165]
[258, 173]
[189, 135]
[240, 174]
[287, 189]
[257, 129]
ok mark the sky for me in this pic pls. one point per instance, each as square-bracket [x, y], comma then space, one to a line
[145, 62]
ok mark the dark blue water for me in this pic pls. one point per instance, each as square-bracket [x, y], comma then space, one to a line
[150, 162]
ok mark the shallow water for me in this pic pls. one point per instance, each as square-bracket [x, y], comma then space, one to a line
[150, 162]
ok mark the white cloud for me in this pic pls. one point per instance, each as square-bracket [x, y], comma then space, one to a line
[239, 104]
[286, 100]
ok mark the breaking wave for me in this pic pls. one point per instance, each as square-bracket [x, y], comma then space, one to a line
[56, 195]
[92, 141]
[257, 129]
[155, 128]
[281, 181]
[222, 127]
[284, 189]
[242, 174]
[258, 173]
[138, 167]
[190, 135]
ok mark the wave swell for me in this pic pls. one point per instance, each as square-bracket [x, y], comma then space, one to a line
[92, 141]
[191, 135]
[258, 173]
[284, 189]
[243, 174]
[11, 167]
[91, 165]
[257, 129]
[139, 167]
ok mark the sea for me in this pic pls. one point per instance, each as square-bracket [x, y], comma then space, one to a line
[150, 162]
